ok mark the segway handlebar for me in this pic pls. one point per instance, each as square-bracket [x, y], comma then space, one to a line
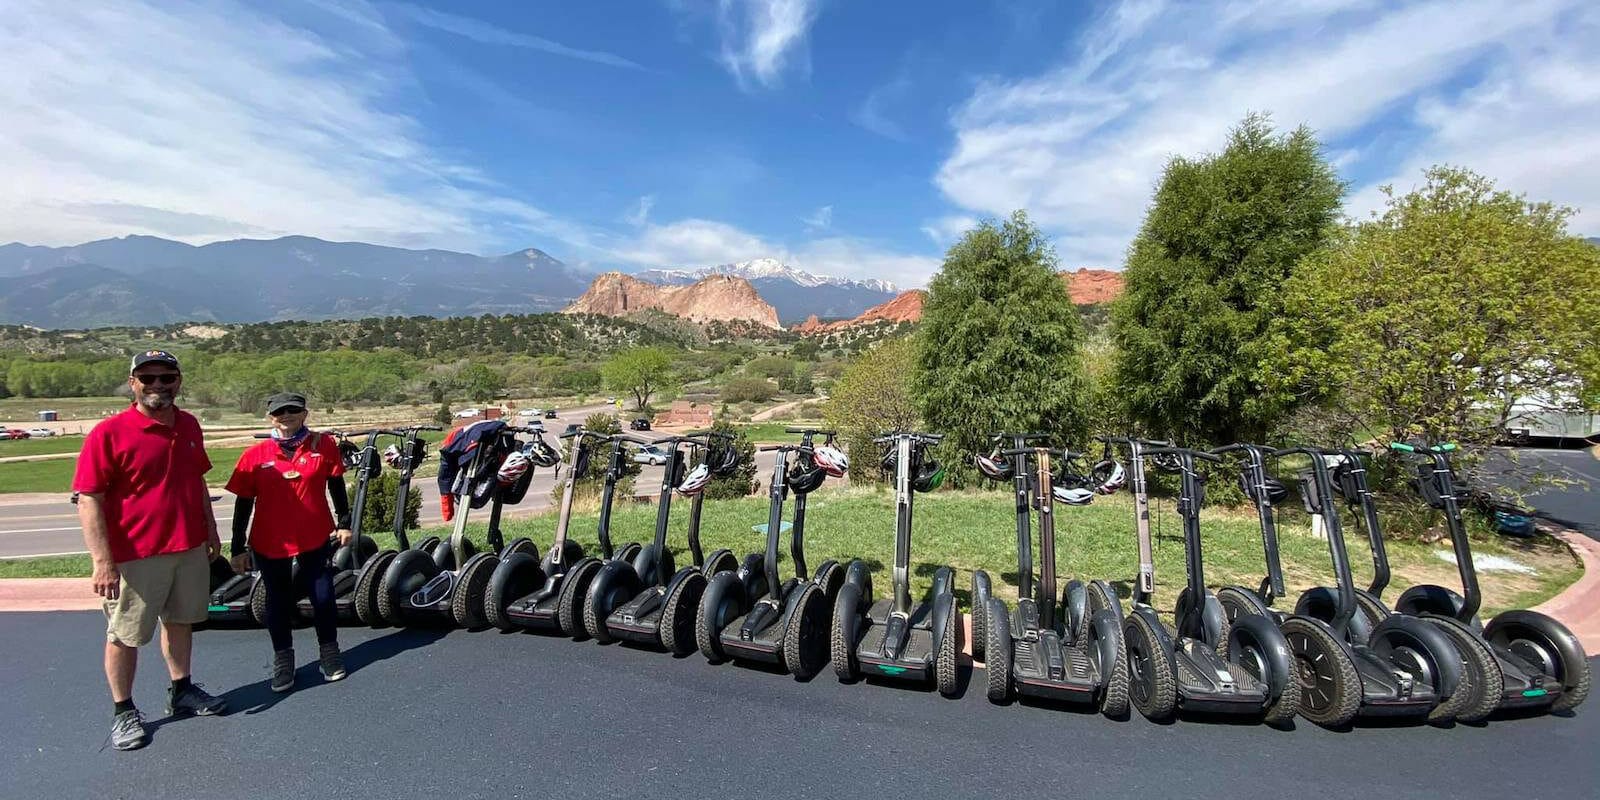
[1241, 447]
[1422, 449]
[631, 439]
[812, 431]
[1133, 440]
[1169, 450]
[1055, 451]
[1001, 436]
[926, 438]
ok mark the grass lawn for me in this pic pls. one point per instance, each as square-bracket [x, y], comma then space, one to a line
[774, 431]
[55, 475]
[970, 530]
[40, 446]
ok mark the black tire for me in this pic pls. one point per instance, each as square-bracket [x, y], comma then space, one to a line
[1281, 709]
[574, 591]
[1105, 637]
[627, 551]
[1103, 597]
[805, 642]
[521, 544]
[981, 592]
[368, 584]
[391, 594]
[945, 676]
[258, 601]
[472, 588]
[830, 576]
[1074, 610]
[721, 603]
[1238, 600]
[1330, 688]
[681, 613]
[504, 588]
[997, 652]
[846, 622]
[1546, 643]
[1478, 692]
[606, 594]
[720, 561]
[1151, 685]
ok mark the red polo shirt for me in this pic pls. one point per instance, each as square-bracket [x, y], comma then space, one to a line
[153, 480]
[291, 494]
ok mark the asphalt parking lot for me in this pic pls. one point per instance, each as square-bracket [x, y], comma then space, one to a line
[484, 714]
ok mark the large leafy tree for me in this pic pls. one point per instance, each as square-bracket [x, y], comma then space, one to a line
[873, 395]
[1203, 279]
[1435, 318]
[640, 371]
[998, 344]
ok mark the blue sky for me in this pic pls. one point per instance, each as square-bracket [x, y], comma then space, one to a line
[850, 138]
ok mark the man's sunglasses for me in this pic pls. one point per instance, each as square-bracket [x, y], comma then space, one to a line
[289, 411]
[165, 379]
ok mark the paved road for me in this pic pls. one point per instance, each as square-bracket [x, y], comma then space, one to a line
[483, 714]
[1577, 505]
[51, 527]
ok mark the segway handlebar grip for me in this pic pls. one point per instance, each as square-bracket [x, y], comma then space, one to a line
[812, 431]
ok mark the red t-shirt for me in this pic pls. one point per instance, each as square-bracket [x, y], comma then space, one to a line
[153, 480]
[291, 494]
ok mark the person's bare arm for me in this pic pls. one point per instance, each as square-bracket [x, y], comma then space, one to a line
[213, 541]
[107, 579]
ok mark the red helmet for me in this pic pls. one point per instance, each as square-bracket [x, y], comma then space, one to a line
[831, 460]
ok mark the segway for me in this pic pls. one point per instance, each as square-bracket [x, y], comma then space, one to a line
[739, 617]
[404, 458]
[1401, 667]
[891, 638]
[574, 589]
[1534, 662]
[1073, 652]
[1203, 664]
[650, 602]
[448, 586]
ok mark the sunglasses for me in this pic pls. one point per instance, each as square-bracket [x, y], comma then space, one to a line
[287, 412]
[165, 379]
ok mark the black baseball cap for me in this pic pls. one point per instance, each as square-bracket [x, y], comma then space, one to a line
[154, 357]
[285, 400]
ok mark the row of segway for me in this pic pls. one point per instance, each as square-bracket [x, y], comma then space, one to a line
[1340, 653]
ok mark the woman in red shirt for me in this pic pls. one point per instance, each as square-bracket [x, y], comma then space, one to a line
[287, 483]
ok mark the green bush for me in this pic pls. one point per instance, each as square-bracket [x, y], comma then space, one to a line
[377, 515]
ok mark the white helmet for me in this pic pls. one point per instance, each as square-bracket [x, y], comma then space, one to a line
[391, 456]
[830, 459]
[1110, 475]
[1073, 496]
[696, 481]
[515, 465]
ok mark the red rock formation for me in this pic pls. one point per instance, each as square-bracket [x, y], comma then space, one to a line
[1088, 286]
[717, 297]
[905, 307]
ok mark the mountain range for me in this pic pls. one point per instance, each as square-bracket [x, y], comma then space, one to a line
[147, 280]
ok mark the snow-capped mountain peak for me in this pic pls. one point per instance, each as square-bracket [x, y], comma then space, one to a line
[759, 268]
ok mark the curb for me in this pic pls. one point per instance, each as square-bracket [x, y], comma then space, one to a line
[1579, 606]
[48, 594]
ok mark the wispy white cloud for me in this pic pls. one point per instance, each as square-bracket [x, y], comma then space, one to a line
[820, 219]
[873, 113]
[209, 121]
[641, 213]
[700, 242]
[1081, 146]
[485, 33]
[763, 38]
[945, 230]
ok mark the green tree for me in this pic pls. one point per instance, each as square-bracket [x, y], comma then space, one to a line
[1435, 318]
[748, 390]
[806, 350]
[443, 416]
[797, 381]
[481, 383]
[589, 483]
[873, 395]
[998, 344]
[377, 515]
[641, 372]
[1203, 280]
[770, 367]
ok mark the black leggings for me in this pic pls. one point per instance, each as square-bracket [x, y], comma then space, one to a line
[316, 578]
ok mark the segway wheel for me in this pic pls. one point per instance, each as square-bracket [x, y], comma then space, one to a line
[720, 604]
[945, 676]
[1548, 645]
[805, 643]
[1151, 684]
[1247, 651]
[574, 590]
[609, 589]
[1236, 600]
[408, 571]
[980, 613]
[1371, 609]
[258, 601]
[1103, 597]
[997, 651]
[1330, 688]
[521, 544]
[368, 584]
[1111, 659]
[720, 561]
[846, 622]
[680, 613]
[514, 577]
[1477, 694]
[627, 551]
[830, 576]
[472, 588]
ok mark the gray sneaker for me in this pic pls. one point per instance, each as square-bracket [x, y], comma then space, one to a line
[194, 700]
[332, 662]
[128, 731]
[283, 670]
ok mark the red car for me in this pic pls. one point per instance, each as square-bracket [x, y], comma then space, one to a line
[16, 433]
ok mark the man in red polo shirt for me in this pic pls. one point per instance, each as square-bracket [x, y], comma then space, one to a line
[148, 526]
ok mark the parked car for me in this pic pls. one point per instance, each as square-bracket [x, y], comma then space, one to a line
[639, 424]
[528, 412]
[16, 433]
[41, 432]
[653, 455]
[549, 413]
[468, 412]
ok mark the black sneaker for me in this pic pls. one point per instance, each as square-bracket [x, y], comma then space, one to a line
[332, 663]
[128, 731]
[194, 700]
[283, 670]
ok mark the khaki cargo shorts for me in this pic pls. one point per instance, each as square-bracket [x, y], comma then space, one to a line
[171, 587]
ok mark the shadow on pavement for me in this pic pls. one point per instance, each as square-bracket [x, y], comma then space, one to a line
[257, 697]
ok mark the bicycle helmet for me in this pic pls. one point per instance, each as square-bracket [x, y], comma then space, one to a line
[1073, 495]
[350, 454]
[805, 475]
[1108, 476]
[513, 467]
[697, 481]
[995, 467]
[831, 460]
[929, 474]
[541, 453]
[1276, 491]
[392, 456]
[723, 459]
